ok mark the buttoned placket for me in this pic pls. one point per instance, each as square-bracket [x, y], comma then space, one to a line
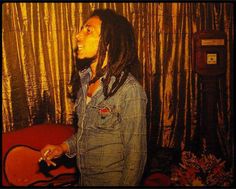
[85, 77]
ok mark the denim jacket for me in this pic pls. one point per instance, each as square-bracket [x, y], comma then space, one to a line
[110, 143]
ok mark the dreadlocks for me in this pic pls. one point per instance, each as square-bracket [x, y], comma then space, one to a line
[117, 36]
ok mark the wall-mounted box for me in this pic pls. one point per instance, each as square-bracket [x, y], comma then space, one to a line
[209, 53]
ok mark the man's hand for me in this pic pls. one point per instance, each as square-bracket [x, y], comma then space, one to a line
[50, 152]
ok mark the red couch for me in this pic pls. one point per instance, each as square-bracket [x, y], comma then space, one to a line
[36, 136]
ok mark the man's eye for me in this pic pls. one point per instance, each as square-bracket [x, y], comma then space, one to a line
[89, 30]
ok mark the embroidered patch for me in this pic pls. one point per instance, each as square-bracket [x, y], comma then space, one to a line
[105, 111]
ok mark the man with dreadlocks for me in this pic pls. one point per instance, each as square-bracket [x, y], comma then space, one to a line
[110, 105]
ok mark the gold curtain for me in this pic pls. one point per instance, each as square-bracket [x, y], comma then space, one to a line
[37, 42]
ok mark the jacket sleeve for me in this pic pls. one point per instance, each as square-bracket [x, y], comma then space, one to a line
[71, 142]
[133, 135]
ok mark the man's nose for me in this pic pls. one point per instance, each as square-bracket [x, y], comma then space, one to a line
[79, 36]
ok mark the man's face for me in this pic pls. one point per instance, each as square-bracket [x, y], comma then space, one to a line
[88, 39]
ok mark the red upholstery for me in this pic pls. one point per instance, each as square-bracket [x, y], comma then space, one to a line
[36, 136]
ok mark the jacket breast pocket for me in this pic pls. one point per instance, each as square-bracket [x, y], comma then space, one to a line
[108, 118]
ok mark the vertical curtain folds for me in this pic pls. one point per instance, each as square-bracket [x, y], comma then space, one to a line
[37, 43]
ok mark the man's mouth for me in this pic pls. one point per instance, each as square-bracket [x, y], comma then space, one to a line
[80, 47]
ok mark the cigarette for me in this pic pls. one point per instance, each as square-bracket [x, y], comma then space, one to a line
[54, 164]
[40, 159]
[45, 153]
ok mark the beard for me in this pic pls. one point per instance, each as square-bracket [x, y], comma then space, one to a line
[84, 63]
